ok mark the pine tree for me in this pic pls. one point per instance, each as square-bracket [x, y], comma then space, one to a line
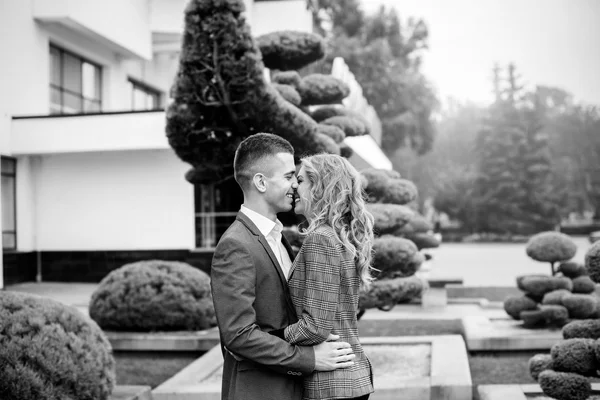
[514, 185]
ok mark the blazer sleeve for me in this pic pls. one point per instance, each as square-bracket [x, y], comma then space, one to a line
[322, 264]
[233, 286]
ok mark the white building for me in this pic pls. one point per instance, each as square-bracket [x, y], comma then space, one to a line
[89, 181]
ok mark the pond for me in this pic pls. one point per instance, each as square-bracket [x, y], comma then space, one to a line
[491, 264]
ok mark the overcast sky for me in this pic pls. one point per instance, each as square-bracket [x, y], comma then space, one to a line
[552, 42]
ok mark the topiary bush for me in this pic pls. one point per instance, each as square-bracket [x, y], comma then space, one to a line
[551, 247]
[51, 351]
[539, 363]
[513, 305]
[545, 316]
[592, 261]
[577, 357]
[154, 295]
[396, 258]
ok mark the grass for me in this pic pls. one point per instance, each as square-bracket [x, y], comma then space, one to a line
[150, 368]
[406, 327]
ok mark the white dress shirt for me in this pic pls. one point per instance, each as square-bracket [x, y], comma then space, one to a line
[272, 232]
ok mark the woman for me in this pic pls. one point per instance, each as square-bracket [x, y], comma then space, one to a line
[330, 269]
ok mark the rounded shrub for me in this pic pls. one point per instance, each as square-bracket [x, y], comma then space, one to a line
[424, 240]
[396, 257]
[572, 269]
[555, 297]
[540, 285]
[290, 50]
[585, 329]
[332, 131]
[291, 78]
[513, 305]
[154, 295]
[322, 89]
[592, 261]
[51, 351]
[418, 223]
[386, 293]
[389, 217]
[289, 93]
[583, 284]
[351, 126]
[388, 187]
[552, 315]
[575, 355]
[565, 385]
[551, 247]
[580, 306]
[539, 363]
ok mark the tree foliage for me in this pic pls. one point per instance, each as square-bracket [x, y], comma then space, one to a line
[385, 58]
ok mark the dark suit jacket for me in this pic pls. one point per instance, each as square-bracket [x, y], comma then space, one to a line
[251, 298]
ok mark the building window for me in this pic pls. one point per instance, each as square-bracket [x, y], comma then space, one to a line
[216, 208]
[75, 83]
[9, 204]
[143, 97]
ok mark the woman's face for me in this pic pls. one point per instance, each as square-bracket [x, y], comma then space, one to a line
[303, 199]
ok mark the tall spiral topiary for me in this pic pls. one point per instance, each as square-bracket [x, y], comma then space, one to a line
[154, 296]
[397, 258]
[220, 94]
[51, 351]
[565, 374]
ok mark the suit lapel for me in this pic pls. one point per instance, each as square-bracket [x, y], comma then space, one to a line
[263, 241]
[290, 252]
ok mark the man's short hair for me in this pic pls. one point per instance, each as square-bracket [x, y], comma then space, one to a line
[253, 150]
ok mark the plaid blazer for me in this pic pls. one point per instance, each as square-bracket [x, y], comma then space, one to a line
[324, 287]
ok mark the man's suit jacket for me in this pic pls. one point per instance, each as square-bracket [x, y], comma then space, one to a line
[251, 298]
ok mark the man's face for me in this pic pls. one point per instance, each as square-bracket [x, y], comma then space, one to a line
[281, 182]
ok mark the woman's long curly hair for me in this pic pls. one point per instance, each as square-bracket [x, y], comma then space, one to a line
[337, 199]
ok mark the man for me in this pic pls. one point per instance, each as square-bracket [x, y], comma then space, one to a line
[249, 275]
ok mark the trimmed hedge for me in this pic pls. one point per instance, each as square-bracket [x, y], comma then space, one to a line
[592, 261]
[388, 187]
[51, 351]
[550, 315]
[322, 89]
[575, 355]
[389, 217]
[288, 93]
[587, 328]
[539, 363]
[538, 286]
[396, 257]
[290, 50]
[291, 78]
[154, 295]
[572, 269]
[551, 247]
[514, 305]
[386, 293]
[565, 385]
[351, 126]
[332, 131]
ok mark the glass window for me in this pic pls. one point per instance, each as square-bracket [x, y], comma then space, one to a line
[216, 208]
[9, 220]
[75, 83]
[143, 97]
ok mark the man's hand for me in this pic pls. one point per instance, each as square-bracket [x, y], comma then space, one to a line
[333, 355]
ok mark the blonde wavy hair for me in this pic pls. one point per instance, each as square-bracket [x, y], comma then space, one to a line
[337, 199]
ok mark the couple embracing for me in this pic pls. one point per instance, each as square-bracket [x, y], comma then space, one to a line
[288, 327]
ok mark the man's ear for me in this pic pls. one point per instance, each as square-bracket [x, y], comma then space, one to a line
[259, 182]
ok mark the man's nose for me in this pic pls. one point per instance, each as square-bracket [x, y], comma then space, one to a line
[294, 184]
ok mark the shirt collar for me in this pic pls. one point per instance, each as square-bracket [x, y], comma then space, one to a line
[264, 224]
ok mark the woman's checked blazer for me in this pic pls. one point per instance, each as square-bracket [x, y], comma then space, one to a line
[324, 286]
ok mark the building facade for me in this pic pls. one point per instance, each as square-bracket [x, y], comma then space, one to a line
[89, 181]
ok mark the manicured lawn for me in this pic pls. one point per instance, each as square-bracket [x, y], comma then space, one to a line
[404, 327]
[150, 368]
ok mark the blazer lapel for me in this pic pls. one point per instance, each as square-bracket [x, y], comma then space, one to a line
[263, 241]
[290, 252]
